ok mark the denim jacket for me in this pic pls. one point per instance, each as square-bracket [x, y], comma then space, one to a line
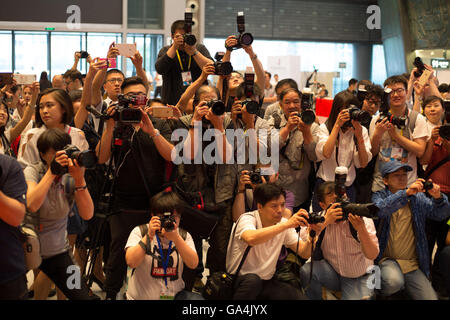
[422, 208]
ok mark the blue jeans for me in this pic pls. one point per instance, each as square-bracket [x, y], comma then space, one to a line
[415, 283]
[188, 295]
[325, 276]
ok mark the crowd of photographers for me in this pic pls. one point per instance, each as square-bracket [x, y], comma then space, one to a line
[100, 178]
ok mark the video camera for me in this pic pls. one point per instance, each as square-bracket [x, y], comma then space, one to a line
[307, 115]
[167, 222]
[222, 68]
[357, 114]
[188, 37]
[444, 130]
[368, 210]
[243, 38]
[418, 63]
[86, 159]
[400, 122]
[124, 113]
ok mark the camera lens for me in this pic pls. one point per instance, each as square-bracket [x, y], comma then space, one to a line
[246, 39]
[428, 185]
[190, 39]
[217, 107]
[308, 117]
[223, 68]
[87, 159]
[399, 121]
[252, 107]
[255, 178]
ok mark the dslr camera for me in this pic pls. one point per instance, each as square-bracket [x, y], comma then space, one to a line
[86, 159]
[368, 210]
[188, 37]
[359, 115]
[83, 54]
[252, 106]
[217, 107]
[243, 38]
[427, 185]
[126, 115]
[307, 115]
[255, 178]
[400, 122]
[444, 130]
[222, 68]
[167, 222]
[418, 63]
[315, 218]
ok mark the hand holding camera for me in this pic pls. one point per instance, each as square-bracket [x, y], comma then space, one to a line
[113, 51]
[168, 226]
[357, 222]
[200, 111]
[333, 213]
[67, 165]
[299, 219]
[293, 121]
[342, 118]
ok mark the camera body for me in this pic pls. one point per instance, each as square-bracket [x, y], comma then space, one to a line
[222, 68]
[255, 178]
[167, 222]
[418, 63]
[86, 159]
[124, 113]
[217, 107]
[359, 115]
[427, 185]
[84, 54]
[243, 38]
[188, 37]
[307, 115]
[315, 218]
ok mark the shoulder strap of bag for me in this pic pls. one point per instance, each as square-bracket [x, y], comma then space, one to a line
[440, 163]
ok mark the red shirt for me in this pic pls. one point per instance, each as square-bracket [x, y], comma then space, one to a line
[441, 175]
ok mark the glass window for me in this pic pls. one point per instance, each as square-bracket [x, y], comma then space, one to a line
[6, 51]
[378, 64]
[31, 52]
[145, 14]
[63, 48]
[98, 45]
[140, 46]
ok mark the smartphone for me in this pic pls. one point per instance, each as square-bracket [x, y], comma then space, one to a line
[24, 78]
[424, 77]
[162, 112]
[110, 62]
[6, 78]
[126, 49]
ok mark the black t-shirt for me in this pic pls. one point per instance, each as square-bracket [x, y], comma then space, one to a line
[130, 188]
[13, 185]
[170, 69]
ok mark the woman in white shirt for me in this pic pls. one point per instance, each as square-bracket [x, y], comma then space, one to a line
[341, 142]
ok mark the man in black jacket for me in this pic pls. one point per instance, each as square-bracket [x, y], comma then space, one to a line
[180, 64]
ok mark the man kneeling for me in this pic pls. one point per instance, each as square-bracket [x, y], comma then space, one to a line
[265, 231]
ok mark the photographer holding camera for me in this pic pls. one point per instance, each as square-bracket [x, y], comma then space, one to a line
[344, 251]
[404, 258]
[13, 189]
[50, 197]
[401, 136]
[297, 147]
[180, 64]
[266, 231]
[163, 249]
[144, 146]
[342, 141]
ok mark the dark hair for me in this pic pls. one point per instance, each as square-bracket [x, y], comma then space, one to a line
[396, 79]
[444, 87]
[267, 72]
[178, 24]
[165, 202]
[73, 75]
[63, 98]
[111, 71]
[155, 100]
[364, 83]
[290, 82]
[240, 91]
[324, 189]
[131, 81]
[2, 129]
[53, 138]
[266, 192]
[75, 95]
[352, 81]
[202, 90]
[374, 90]
[286, 91]
[430, 99]
[341, 101]
[44, 76]
[326, 91]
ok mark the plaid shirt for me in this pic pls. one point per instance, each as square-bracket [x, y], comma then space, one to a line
[422, 208]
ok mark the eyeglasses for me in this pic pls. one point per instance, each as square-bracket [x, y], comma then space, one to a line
[377, 103]
[113, 80]
[288, 102]
[398, 91]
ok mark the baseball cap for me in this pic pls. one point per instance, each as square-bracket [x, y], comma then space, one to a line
[392, 166]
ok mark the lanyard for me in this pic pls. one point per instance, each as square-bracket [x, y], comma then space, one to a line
[165, 262]
[181, 65]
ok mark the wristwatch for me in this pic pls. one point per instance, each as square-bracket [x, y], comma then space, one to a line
[156, 134]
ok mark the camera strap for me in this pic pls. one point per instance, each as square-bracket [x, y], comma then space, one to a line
[181, 64]
[165, 262]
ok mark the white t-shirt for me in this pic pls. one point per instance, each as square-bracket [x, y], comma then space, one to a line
[142, 285]
[348, 155]
[390, 150]
[8, 136]
[262, 258]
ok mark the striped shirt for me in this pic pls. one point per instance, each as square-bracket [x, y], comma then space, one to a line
[343, 252]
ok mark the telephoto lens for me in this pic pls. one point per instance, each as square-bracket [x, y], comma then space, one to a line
[251, 106]
[245, 39]
[217, 107]
[308, 116]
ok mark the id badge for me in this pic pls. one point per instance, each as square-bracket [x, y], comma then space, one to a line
[187, 78]
[165, 294]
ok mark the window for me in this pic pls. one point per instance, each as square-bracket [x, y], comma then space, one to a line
[63, 48]
[6, 51]
[145, 14]
[98, 45]
[31, 52]
[378, 64]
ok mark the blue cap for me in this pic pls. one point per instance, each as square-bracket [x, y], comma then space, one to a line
[392, 166]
